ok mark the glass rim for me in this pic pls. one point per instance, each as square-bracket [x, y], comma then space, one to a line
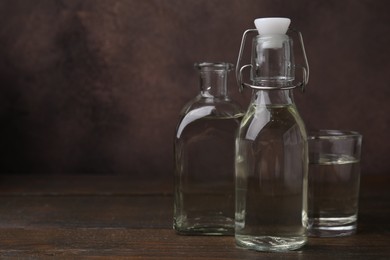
[214, 65]
[332, 134]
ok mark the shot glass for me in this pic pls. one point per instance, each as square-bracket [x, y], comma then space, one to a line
[333, 182]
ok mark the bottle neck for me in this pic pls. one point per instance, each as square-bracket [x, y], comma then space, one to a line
[279, 97]
[213, 80]
[272, 61]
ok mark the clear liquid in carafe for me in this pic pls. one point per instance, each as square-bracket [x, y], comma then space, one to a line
[205, 176]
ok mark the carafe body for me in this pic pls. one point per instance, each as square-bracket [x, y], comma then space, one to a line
[204, 157]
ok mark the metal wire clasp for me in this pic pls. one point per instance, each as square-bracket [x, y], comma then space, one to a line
[305, 68]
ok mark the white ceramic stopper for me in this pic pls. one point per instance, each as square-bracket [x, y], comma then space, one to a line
[272, 26]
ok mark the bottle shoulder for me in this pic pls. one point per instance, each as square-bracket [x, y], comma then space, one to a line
[271, 119]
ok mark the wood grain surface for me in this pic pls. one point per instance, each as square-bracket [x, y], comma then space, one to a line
[70, 217]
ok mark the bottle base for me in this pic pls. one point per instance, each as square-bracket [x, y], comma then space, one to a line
[270, 243]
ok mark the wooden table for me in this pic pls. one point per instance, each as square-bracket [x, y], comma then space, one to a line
[116, 217]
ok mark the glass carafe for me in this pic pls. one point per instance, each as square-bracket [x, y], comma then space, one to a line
[271, 148]
[204, 157]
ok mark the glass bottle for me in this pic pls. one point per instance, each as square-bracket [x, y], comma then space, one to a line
[271, 149]
[204, 157]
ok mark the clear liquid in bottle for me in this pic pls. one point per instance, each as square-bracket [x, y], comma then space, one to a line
[271, 180]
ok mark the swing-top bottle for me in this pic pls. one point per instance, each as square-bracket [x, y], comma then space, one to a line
[271, 146]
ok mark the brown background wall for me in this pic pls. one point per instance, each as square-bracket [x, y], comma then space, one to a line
[96, 86]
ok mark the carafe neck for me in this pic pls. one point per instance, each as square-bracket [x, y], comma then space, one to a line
[213, 79]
